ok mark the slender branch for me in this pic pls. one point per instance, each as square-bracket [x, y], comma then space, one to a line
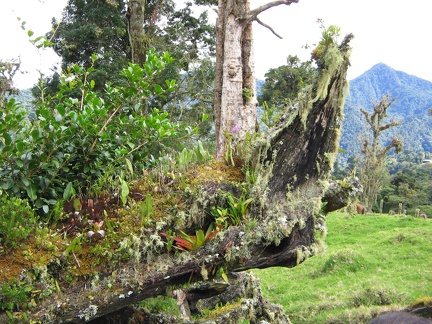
[267, 26]
[251, 15]
[104, 126]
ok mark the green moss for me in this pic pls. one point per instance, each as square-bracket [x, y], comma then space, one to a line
[218, 311]
[421, 302]
[331, 60]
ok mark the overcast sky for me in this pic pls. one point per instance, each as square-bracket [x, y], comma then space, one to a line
[394, 32]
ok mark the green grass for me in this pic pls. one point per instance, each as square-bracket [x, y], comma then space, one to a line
[372, 263]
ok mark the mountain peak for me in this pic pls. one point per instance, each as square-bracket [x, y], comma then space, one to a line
[413, 99]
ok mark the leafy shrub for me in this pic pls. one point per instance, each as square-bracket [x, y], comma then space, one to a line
[72, 141]
[14, 295]
[17, 220]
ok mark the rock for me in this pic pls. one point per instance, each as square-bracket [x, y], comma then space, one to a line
[400, 318]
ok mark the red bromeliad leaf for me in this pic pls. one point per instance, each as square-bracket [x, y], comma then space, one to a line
[211, 235]
[191, 242]
[183, 243]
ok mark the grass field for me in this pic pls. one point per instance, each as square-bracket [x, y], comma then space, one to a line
[373, 263]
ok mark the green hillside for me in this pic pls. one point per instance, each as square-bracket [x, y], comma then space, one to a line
[373, 263]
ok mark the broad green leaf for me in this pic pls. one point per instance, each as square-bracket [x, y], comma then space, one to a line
[35, 133]
[124, 191]
[146, 207]
[25, 181]
[69, 191]
[19, 146]
[130, 167]
[158, 89]
[56, 163]
[94, 58]
[47, 43]
[31, 192]
[19, 163]
[39, 203]
[61, 109]
[7, 138]
[6, 185]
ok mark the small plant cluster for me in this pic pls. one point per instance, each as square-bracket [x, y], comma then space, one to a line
[186, 242]
[235, 213]
[224, 217]
[270, 115]
[329, 37]
[21, 295]
[17, 220]
[77, 133]
[14, 296]
[237, 151]
[198, 155]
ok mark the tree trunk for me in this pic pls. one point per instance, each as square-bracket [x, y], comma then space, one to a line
[234, 114]
[137, 35]
[235, 101]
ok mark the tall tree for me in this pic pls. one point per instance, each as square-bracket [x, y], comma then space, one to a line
[93, 27]
[120, 33]
[373, 167]
[235, 100]
[282, 84]
[137, 36]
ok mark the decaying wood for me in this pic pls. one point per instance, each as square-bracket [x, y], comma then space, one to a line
[292, 166]
[340, 194]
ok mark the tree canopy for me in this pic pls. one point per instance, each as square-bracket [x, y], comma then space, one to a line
[282, 84]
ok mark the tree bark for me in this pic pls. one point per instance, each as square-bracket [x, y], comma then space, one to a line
[235, 101]
[137, 35]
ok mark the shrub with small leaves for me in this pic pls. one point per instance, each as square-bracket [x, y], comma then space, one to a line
[15, 296]
[17, 220]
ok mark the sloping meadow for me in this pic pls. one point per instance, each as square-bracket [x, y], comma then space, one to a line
[373, 263]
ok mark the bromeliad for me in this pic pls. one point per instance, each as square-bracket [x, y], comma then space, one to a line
[188, 242]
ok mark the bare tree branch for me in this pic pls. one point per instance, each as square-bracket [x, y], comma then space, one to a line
[251, 15]
[267, 26]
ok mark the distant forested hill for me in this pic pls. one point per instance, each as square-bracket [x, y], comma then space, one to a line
[413, 100]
